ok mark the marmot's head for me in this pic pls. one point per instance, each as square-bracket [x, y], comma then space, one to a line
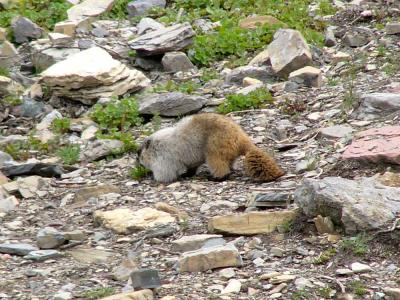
[146, 153]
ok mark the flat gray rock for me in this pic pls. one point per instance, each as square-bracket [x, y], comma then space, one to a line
[171, 104]
[42, 255]
[17, 249]
[237, 75]
[24, 30]
[140, 7]
[176, 61]
[377, 105]
[172, 38]
[357, 205]
[49, 237]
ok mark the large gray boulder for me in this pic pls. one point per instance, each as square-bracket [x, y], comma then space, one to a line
[25, 30]
[171, 104]
[172, 38]
[376, 105]
[357, 205]
[288, 52]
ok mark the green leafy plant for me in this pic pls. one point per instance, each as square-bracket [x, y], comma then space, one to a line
[69, 155]
[208, 74]
[325, 8]
[61, 125]
[139, 172]
[129, 143]
[45, 13]
[118, 11]
[324, 257]
[12, 100]
[357, 287]
[358, 245]
[4, 72]
[98, 293]
[255, 99]
[117, 115]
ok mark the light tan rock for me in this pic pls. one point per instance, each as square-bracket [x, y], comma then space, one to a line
[83, 194]
[28, 187]
[248, 81]
[260, 59]
[288, 52]
[125, 221]
[3, 34]
[182, 215]
[66, 27]
[282, 278]
[8, 49]
[340, 56]
[139, 295]
[90, 256]
[392, 293]
[194, 242]
[309, 76]
[250, 223]
[324, 225]
[258, 21]
[389, 179]
[89, 8]
[10, 87]
[233, 287]
[210, 258]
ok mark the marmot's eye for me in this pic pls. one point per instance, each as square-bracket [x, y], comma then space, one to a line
[146, 144]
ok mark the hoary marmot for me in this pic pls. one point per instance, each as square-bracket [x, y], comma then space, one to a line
[204, 138]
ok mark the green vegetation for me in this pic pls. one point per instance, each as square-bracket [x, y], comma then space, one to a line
[139, 172]
[98, 293]
[22, 150]
[255, 99]
[69, 155]
[117, 115]
[187, 87]
[357, 287]
[12, 100]
[358, 245]
[45, 13]
[301, 294]
[208, 74]
[118, 12]
[126, 138]
[325, 8]
[61, 125]
[4, 72]
[325, 292]
[325, 256]
[286, 227]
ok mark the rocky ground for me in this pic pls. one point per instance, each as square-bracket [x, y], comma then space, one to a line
[77, 223]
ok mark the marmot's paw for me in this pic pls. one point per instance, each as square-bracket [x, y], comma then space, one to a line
[218, 179]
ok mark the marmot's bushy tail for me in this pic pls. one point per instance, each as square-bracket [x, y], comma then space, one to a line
[261, 166]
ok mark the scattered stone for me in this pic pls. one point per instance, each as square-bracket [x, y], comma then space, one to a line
[8, 54]
[147, 63]
[227, 273]
[66, 27]
[340, 57]
[49, 237]
[126, 221]
[233, 286]
[248, 81]
[176, 61]
[8, 204]
[17, 249]
[9, 87]
[60, 39]
[253, 22]
[170, 104]
[375, 145]
[173, 38]
[393, 293]
[260, 59]
[282, 278]
[83, 194]
[140, 7]
[24, 30]
[356, 39]
[389, 179]
[377, 105]
[324, 225]
[148, 24]
[330, 39]
[237, 75]
[392, 28]
[336, 132]
[269, 199]
[75, 235]
[344, 272]
[358, 205]
[39, 169]
[99, 149]
[210, 258]
[145, 278]
[139, 295]
[89, 8]
[308, 76]
[197, 241]
[27, 187]
[360, 268]
[42, 255]
[250, 223]
[62, 295]
[82, 78]
[42, 58]
[288, 52]
[90, 256]
[277, 252]
[127, 266]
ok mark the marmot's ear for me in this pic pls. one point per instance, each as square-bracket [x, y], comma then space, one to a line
[146, 143]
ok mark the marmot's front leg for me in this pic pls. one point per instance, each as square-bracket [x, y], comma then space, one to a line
[190, 172]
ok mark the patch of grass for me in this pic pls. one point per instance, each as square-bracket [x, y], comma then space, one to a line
[208, 74]
[98, 293]
[324, 257]
[286, 227]
[255, 99]
[118, 11]
[117, 115]
[358, 245]
[126, 138]
[61, 125]
[326, 8]
[333, 81]
[12, 100]
[21, 150]
[357, 287]
[69, 155]
[139, 172]
[301, 294]
[45, 13]
[17, 150]
[325, 292]
[187, 87]
[382, 51]
[4, 72]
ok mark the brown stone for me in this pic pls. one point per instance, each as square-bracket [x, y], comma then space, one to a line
[83, 194]
[324, 224]
[258, 21]
[139, 295]
[389, 179]
[375, 145]
[251, 223]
